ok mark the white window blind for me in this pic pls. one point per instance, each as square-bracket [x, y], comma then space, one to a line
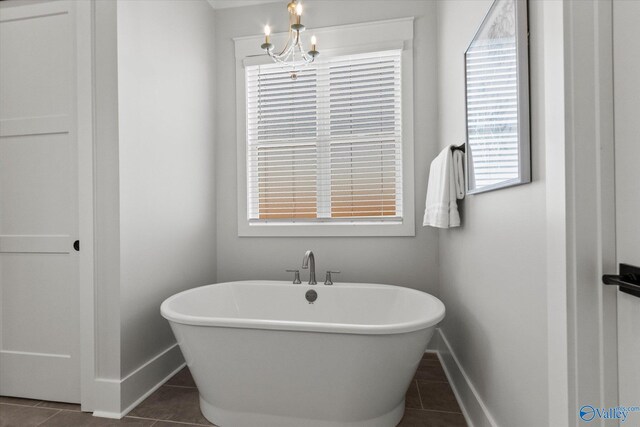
[327, 146]
[492, 110]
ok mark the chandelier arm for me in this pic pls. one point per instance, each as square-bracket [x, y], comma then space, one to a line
[287, 46]
[299, 46]
[308, 59]
[292, 20]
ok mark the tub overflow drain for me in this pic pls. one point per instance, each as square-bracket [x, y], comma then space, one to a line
[311, 296]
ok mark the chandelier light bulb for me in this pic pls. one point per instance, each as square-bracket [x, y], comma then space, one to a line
[267, 43]
[299, 9]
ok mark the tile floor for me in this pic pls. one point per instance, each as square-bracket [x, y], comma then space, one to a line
[429, 403]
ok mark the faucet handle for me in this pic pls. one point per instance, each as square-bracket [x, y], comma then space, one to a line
[296, 277]
[328, 280]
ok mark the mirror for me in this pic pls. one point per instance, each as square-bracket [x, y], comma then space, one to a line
[497, 100]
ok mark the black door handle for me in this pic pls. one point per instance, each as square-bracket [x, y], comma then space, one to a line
[76, 245]
[628, 280]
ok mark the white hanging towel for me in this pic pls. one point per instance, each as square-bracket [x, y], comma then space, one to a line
[458, 159]
[445, 186]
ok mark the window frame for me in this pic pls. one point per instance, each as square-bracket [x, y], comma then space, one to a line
[363, 38]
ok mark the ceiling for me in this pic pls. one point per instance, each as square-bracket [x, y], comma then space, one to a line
[223, 4]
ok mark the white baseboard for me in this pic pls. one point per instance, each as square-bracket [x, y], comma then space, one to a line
[105, 414]
[107, 398]
[130, 391]
[473, 407]
[139, 384]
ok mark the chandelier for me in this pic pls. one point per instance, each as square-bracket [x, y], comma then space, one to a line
[293, 54]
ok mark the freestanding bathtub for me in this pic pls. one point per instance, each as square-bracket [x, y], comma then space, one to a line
[262, 355]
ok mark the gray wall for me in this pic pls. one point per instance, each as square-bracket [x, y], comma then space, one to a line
[493, 269]
[407, 261]
[167, 164]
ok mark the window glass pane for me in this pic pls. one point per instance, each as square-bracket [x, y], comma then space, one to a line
[364, 135]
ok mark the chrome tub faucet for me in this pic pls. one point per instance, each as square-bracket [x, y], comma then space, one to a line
[305, 264]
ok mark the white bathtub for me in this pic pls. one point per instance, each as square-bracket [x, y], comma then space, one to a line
[262, 355]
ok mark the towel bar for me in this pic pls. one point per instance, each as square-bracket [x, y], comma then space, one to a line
[460, 147]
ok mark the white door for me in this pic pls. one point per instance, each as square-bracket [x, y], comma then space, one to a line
[626, 57]
[39, 306]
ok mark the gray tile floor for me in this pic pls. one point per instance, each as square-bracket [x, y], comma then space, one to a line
[430, 402]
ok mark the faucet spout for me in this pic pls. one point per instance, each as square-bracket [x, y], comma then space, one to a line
[308, 256]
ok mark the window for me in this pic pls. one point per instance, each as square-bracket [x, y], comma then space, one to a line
[328, 145]
[331, 152]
